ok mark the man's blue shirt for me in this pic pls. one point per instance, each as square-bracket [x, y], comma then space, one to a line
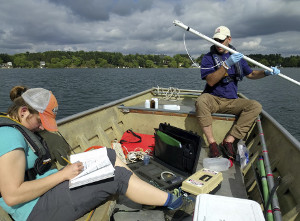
[222, 89]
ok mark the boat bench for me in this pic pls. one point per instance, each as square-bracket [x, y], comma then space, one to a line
[4, 216]
[185, 110]
[101, 211]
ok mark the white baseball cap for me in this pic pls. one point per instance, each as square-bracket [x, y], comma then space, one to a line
[45, 103]
[221, 32]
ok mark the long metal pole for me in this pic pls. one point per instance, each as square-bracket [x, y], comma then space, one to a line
[270, 178]
[268, 210]
[187, 28]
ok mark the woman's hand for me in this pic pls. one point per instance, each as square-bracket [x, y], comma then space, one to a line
[15, 190]
[72, 170]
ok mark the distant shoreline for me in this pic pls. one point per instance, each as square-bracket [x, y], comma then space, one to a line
[95, 59]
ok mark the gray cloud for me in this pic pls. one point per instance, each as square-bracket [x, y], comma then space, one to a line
[100, 10]
[145, 26]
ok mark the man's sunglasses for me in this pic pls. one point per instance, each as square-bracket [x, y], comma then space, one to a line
[219, 40]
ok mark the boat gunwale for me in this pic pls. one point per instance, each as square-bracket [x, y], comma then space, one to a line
[285, 132]
[288, 135]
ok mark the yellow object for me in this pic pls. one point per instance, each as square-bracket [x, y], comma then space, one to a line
[203, 181]
[66, 160]
[90, 215]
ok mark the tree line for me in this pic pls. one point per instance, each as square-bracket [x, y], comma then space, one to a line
[95, 59]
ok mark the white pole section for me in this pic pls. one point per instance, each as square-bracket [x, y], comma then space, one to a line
[185, 27]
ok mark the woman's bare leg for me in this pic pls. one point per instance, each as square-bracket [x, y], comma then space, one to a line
[141, 192]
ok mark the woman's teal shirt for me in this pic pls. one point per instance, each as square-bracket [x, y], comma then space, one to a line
[11, 139]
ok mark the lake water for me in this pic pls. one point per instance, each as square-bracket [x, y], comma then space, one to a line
[81, 89]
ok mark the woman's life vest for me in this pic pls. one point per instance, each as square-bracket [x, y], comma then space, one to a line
[37, 144]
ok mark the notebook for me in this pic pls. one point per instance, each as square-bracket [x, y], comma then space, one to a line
[97, 166]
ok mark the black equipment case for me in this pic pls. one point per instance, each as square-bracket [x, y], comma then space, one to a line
[170, 165]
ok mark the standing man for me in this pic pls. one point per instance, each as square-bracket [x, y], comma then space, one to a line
[222, 72]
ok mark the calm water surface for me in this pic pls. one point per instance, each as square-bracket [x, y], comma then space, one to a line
[81, 89]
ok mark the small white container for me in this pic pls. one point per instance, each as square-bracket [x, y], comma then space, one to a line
[217, 164]
[171, 106]
[156, 103]
[147, 104]
[213, 207]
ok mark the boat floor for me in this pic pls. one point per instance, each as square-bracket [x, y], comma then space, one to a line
[231, 186]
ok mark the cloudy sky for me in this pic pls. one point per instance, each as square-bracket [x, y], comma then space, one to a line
[146, 26]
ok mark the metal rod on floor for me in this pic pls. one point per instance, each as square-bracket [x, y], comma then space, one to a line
[268, 210]
[275, 203]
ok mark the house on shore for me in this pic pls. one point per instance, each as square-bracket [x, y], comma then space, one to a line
[42, 64]
[7, 65]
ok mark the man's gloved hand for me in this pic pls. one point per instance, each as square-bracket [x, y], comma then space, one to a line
[234, 58]
[274, 72]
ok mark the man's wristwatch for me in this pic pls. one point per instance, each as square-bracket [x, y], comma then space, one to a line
[224, 65]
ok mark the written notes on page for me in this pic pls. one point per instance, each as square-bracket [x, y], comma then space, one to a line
[97, 166]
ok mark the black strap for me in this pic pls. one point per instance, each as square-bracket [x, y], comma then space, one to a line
[30, 141]
[238, 76]
[30, 174]
[134, 134]
[274, 189]
[43, 155]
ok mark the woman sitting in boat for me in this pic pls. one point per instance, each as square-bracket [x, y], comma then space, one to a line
[47, 196]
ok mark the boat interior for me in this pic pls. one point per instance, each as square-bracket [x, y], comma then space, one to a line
[106, 124]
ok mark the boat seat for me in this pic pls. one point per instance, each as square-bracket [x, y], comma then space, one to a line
[184, 111]
[4, 216]
[103, 211]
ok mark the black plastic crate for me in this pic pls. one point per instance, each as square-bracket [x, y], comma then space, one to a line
[184, 159]
[152, 173]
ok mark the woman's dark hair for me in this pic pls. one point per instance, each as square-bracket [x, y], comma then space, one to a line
[18, 101]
